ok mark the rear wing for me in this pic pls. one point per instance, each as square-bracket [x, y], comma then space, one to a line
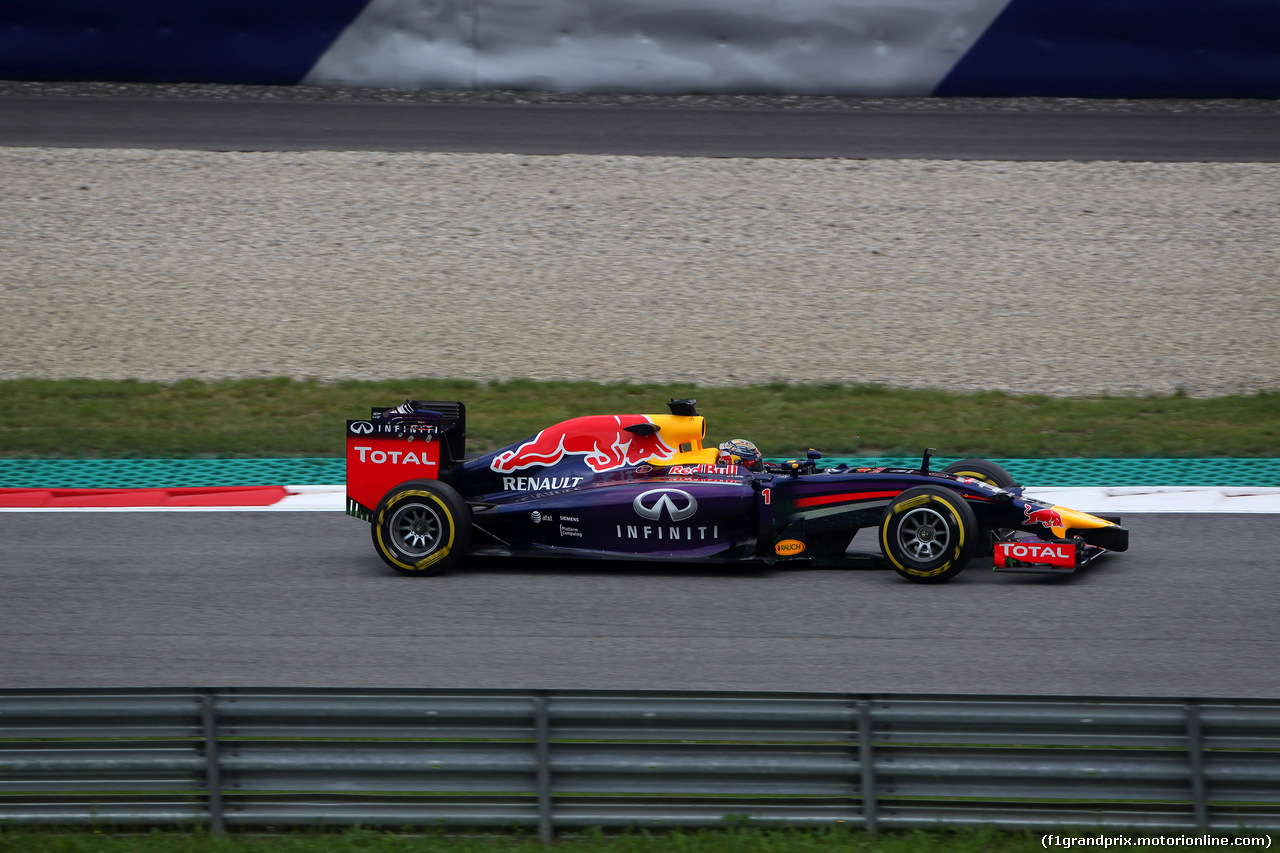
[417, 440]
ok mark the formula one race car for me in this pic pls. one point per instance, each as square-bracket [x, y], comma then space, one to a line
[643, 487]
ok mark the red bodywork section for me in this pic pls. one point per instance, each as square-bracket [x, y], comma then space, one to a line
[1056, 554]
[846, 497]
[602, 440]
[376, 465]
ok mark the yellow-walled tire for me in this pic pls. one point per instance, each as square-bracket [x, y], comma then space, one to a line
[929, 534]
[982, 469]
[421, 528]
[993, 475]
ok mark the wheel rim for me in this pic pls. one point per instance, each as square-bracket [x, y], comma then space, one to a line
[416, 530]
[923, 534]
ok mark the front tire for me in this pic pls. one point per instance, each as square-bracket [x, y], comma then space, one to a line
[992, 474]
[929, 534]
[981, 469]
[421, 528]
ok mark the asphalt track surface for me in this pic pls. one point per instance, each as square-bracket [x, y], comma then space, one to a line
[979, 134]
[300, 599]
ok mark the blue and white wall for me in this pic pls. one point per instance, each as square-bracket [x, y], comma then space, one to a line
[1081, 48]
[169, 41]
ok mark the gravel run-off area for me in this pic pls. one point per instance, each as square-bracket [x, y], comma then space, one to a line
[1062, 278]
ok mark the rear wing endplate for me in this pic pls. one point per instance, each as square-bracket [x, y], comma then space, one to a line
[418, 440]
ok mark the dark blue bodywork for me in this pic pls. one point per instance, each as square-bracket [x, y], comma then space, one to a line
[677, 512]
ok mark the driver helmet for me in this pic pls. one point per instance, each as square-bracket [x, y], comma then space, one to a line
[739, 451]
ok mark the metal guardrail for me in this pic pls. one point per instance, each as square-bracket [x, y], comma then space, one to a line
[555, 760]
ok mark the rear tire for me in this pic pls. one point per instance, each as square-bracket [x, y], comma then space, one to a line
[421, 528]
[929, 534]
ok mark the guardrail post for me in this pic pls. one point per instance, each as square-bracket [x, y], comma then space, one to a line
[866, 763]
[542, 728]
[212, 767]
[1195, 756]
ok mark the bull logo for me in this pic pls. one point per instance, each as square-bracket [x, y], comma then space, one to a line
[602, 440]
[648, 506]
[1047, 517]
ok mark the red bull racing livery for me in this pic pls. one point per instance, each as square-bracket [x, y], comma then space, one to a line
[643, 487]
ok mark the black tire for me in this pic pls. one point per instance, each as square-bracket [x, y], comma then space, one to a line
[929, 534]
[993, 475]
[421, 528]
[981, 469]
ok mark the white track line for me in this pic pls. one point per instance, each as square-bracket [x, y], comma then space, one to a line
[1122, 499]
[1110, 500]
[298, 499]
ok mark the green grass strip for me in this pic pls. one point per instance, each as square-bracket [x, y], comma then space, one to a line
[729, 840]
[252, 418]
